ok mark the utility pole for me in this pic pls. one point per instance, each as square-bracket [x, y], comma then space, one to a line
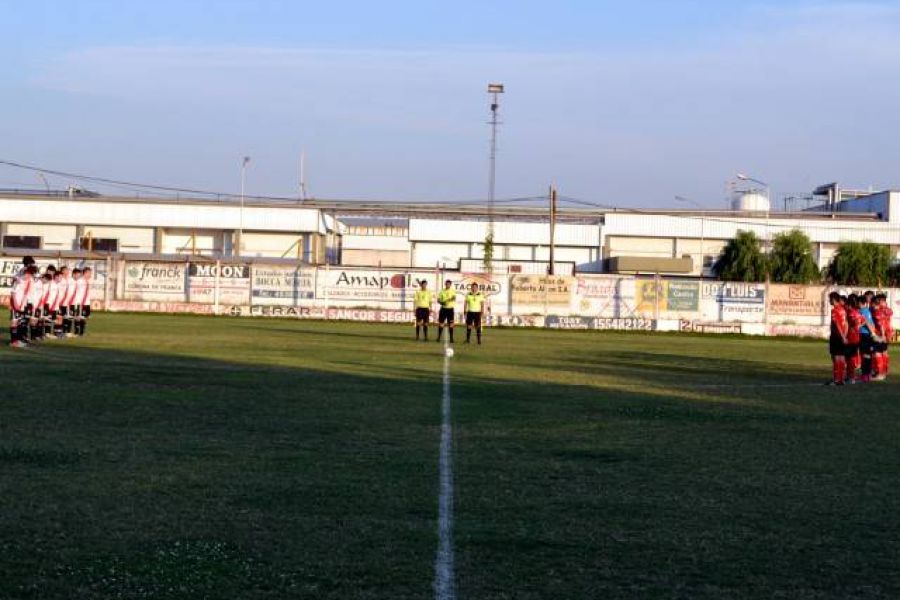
[244, 162]
[494, 89]
[302, 176]
[552, 270]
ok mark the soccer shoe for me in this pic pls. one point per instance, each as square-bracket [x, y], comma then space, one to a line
[834, 383]
[18, 344]
[879, 377]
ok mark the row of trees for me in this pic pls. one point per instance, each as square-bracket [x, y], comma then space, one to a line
[790, 260]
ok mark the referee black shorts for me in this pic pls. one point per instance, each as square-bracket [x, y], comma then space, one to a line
[422, 315]
[473, 319]
[445, 315]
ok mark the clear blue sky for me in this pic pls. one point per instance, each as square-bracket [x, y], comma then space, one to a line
[621, 103]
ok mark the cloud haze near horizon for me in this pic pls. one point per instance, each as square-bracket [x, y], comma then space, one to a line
[809, 99]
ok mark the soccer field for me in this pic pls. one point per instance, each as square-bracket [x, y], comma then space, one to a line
[198, 457]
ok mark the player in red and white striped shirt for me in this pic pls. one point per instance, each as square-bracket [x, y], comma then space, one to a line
[62, 282]
[72, 310]
[83, 300]
[19, 307]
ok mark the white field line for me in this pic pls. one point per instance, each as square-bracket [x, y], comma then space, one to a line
[444, 588]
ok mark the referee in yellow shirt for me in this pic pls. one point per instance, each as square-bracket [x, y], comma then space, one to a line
[474, 308]
[423, 300]
[447, 300]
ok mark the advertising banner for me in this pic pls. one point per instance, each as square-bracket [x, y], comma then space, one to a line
[273, 285]
[10, 266]
[495, 289]
[796, 300]
[668, 296]
[604, 296]
[794, 330]
[233, 282]
[552, 291]
[155, 281]
[159, 307]
[602, 323]
[385, 288]
[733, 301]
[371, 315]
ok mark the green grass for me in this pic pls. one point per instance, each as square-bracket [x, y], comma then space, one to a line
[191, 457]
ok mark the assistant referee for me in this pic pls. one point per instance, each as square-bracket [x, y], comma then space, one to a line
[422, 301]
[474, 308]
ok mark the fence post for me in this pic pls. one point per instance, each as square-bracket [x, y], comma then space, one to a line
[216, 288]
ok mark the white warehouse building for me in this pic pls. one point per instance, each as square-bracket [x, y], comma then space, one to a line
[671, 242]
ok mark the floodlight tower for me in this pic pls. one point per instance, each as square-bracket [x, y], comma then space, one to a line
[494, 89]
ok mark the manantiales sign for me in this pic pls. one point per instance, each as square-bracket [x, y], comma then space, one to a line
[796, 300]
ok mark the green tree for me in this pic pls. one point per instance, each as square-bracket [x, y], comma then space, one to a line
[741, 260]
[791, 259]
[489, 252]
[861, 263]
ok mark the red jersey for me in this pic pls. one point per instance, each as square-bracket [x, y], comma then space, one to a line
[882, 318]
[838, 321]
[855, 320]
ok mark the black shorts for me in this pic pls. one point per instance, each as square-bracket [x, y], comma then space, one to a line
[63, 311]
[85, 310]
[836, 346]
[445, 315]
[880, 347]
[851, 350]
[865, 343]
[74, 311]
[423, 314]
[473, 319]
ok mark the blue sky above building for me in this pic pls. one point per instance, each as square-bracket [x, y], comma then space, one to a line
[621, 103]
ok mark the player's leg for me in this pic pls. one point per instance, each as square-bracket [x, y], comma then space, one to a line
[418, 322]
[85, 315]
[426, 315]
[478, 326]
[865, 348]
[850, 350]
[451, 318]
[442, 316]
[838, 362]
[14, 318]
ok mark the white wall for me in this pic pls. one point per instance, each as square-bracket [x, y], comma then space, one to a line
[178, 241]
[273, 245]
[427, 255]
[55, 237]
[131, 239]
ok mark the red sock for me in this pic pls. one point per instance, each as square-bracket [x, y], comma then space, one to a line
[886, 362]
[837, 369]
[876, 364]
[855, 364]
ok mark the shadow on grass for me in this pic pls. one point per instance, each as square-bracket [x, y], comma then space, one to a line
[221, 480]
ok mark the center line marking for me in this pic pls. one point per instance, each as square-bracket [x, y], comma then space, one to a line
[444, 588]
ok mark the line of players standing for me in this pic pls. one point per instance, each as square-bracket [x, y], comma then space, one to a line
[860, 333]
[48, 305]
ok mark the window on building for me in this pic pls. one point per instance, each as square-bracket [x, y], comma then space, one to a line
[28, 242]
[99, 244]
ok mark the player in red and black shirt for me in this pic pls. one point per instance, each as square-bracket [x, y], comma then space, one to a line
[881, 315]
[837, 342]
[855, 321]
